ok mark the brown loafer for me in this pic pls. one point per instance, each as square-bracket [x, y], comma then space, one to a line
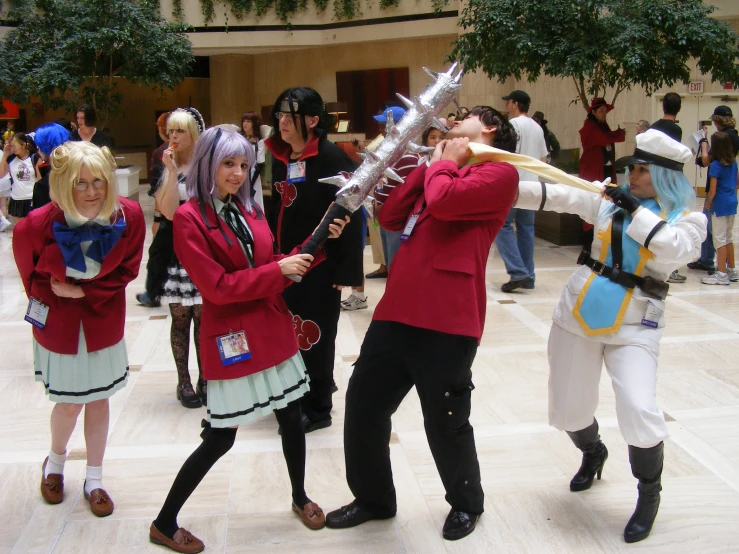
[52, 486]
[100, 503]
[311, 515]
[183, 540]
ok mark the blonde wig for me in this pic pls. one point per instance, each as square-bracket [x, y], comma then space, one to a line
[67, 161]
[183, 119]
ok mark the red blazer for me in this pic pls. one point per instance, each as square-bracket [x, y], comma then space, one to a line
[102, 311]
[594, 138]
[235, 296]
[437, 280]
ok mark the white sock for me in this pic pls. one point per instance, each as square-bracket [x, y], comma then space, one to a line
[359, 295]
[55, 463]
[93, 479]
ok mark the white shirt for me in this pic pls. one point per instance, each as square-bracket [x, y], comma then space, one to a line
[530, 143]
[24, 177]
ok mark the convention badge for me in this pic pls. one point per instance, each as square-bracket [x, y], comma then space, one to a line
[651, 315]
[296, 172]
[37, 313]
[233, 348]
[409, 227]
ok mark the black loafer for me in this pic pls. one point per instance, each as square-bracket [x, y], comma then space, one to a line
[310, 425]
[459, 524]
[526, 282]
[351, 516]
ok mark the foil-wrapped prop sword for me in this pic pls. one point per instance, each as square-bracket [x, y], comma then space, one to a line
[420, 114]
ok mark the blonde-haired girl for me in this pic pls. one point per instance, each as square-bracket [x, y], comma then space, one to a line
[184, 127]
[75, 256]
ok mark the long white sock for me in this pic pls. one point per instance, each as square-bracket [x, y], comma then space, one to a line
[93, 479]
[55, 463]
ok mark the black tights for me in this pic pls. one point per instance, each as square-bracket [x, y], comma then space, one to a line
[216, 443]
[179, 337]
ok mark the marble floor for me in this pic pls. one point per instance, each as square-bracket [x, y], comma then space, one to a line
[243, 505]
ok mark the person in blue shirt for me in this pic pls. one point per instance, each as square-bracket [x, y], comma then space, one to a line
[722, 203]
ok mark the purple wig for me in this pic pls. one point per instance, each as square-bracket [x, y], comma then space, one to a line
[214, 146]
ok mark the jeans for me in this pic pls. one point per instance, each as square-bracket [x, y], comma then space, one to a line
[517, 248]
[390, 244]
[708, 252]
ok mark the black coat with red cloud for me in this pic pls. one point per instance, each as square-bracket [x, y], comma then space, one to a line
[296, 210]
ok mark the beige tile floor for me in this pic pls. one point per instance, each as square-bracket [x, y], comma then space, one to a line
[243, 505]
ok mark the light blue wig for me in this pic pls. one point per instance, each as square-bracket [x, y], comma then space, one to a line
[674, 193]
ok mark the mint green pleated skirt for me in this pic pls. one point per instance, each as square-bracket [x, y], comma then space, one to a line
[232, 402]
[83, 377]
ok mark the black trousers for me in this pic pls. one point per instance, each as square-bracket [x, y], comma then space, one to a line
[395, 357]
[160, 254]
[317, 305]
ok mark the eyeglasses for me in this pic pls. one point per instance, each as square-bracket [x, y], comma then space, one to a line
[97, 184]
[280, 115]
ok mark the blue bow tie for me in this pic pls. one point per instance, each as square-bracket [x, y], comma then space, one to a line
[103, 238]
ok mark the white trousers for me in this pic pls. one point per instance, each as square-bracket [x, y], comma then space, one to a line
[575, 365]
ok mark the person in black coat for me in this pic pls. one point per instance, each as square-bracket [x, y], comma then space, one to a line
[301, 156]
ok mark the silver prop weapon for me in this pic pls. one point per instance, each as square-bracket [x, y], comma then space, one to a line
[355, 188]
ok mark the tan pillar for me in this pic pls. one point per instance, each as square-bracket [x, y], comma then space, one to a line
[231, 88]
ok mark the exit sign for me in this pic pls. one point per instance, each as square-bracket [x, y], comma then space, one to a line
[695, 87]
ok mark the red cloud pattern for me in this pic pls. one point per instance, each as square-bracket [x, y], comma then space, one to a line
[287, 191]
[307, 332]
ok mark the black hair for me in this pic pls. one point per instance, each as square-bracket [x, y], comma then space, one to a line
[309, 103]
[671, 103]
[427, 132]
[27, 140]
[505, 136]
[90, 116]
[64, 122]
[451, 114]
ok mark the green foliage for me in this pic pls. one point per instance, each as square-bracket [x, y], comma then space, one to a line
[285, 9]
[17, 9]
[597, 43]
[69, 51]
[347, 9]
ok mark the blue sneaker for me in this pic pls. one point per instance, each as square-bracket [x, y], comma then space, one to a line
[144, 300]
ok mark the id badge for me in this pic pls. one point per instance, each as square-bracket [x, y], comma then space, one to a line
[296, 172]
[37, 313]
[233, 348]
[409, 227]
[651, 315]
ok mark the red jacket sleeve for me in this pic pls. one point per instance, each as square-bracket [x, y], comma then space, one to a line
[100, 290]
[592, 135]
[487, 189]
[25, 250]
[211, 279]
[397, 208]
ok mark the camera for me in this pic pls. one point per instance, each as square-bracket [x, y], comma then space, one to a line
[704, 123]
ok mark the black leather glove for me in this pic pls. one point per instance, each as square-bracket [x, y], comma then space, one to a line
[623, 199]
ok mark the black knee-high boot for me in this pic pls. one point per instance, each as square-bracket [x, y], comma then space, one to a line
[646, 465]
[594, 456]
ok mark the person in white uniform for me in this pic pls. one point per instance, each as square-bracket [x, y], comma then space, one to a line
[612, 310]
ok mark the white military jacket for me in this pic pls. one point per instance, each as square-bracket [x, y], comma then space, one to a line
[591, 305]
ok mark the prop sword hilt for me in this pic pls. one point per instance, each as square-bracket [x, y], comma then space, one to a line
[321, 234]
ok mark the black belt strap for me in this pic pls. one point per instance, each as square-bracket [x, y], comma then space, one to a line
[653, 232]
[648, 285]
[543, 196]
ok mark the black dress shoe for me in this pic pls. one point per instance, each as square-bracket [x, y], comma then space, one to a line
[310, 425]
[459, 524]
[351, 516]
[700, 267]
[202, 391]
[526, 282]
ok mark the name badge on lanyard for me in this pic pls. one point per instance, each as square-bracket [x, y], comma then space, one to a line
[37, 313]
[296, 172]
[233, 348]
[409, 227]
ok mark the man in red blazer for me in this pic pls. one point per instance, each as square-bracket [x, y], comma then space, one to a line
[450, 213]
